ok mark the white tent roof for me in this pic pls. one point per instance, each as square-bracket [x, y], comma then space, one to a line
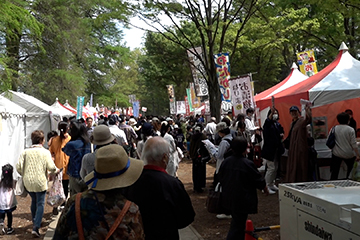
[63, 112]
[31, 104]
[344, 79]
[8, 107]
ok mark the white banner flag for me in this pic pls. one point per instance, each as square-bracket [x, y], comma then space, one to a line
[198, 71]
[180, 107]
[241, 94]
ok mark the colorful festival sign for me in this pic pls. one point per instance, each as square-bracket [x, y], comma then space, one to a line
[242, 94]
[187, 107]
[307, 62]
[180, 107]
[195, 101]
[198, 71]
[188, 93]
[79, 107]
[223, 73]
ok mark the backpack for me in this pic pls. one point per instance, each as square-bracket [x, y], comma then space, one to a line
[229, 152]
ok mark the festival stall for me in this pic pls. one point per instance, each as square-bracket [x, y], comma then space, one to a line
[333, 90]
[12, 131]
[58, 108]
[263, 99]
[38, 116]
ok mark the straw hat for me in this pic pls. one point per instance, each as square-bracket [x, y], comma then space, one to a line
[132, 121]
[113, 169]
[102, 135]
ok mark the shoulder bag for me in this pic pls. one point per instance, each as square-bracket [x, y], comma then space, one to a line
[330, 142]
[213, 204]
[113, 227]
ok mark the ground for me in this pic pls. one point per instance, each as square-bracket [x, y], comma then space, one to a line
[208, 226]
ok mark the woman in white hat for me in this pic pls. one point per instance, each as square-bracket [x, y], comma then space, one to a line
[94, 214]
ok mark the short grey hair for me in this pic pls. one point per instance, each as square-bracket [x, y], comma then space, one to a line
[153, 152]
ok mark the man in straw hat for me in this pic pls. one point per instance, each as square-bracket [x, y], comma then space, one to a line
[164, 204]
[103, 202]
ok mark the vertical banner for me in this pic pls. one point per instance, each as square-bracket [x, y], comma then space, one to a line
[242, 94]
[172, 106]
[195, 101]
[207, 106]
[307, 62]
[79, 107]
[187, 107]
[198, 71]
[180, 107]
[136, 108]
[223, 73]
[91, 100]
[188, 93]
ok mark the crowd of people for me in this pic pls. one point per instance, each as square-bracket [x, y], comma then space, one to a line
[121, 172]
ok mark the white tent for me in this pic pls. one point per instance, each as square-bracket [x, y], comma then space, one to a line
[57, 108]
[12, 131]
[39, 115]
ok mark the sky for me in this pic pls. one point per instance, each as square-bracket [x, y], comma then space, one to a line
[134, 36]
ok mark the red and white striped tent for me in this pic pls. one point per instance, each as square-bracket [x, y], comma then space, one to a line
[332, 90]
[263, 99]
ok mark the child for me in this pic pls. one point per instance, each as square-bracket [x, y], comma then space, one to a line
[7, 198]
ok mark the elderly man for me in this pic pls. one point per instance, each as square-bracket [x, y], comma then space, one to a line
[210, 129]
[164, 204]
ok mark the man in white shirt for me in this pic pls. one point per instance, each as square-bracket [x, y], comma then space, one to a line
[117, 132]
[210, 129]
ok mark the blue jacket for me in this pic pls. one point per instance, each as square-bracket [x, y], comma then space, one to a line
[75, 150]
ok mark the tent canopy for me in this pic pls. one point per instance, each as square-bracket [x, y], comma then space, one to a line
[336, 84]
[58, 108]
[12, 132]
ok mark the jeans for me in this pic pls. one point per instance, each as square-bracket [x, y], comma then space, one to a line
[37, 207]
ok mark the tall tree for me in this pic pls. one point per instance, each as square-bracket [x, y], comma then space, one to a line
[212, 19]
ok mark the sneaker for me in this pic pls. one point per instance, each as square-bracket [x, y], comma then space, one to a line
[10, 231]
[35, 233]
[271, 191]
[274, 188]
[2, 228]
[55, 211]
[223, 216]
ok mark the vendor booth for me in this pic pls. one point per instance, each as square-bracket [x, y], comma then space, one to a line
[12, 132]
[38, 116]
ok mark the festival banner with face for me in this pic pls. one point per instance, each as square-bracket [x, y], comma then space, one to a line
[223, 73]
[307, 62]
[242, 94]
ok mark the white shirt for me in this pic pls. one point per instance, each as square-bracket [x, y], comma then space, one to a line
[345, 141]
[118, 134]
[251, 128]
[210, 129]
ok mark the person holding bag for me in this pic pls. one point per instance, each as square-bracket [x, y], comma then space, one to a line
[34, 164]
[345, 146]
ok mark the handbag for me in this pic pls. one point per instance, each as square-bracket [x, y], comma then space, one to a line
[19, 187]
[116, 223]
[355, 172]
[213, 203]
[56, 193]
[330, 142]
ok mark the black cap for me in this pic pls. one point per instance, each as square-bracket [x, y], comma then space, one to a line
[294, 108]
